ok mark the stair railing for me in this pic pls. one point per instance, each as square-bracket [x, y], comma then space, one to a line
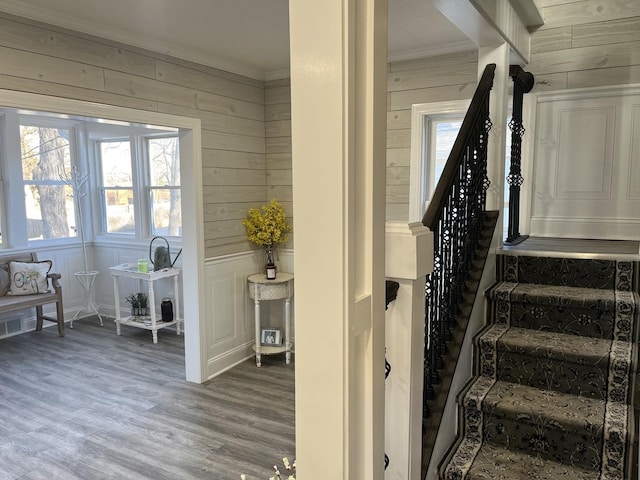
[455, 216]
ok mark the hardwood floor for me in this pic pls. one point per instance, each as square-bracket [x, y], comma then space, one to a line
[93, 405]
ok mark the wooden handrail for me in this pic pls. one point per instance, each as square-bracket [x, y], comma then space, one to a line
[450, 170]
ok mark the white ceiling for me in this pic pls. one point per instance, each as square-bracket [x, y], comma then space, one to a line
[250, 37]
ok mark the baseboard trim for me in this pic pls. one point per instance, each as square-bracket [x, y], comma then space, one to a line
[229, 359]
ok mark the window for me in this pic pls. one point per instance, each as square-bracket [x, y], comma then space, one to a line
[117, 187]
[164, 168]
[46, 157]
[434, 127]
[442, 134]
[130, 177]
[140, 185]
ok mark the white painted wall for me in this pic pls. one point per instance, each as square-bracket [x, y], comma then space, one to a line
[586, 164]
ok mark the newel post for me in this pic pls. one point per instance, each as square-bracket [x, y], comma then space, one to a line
[522, 83]
[409, 258]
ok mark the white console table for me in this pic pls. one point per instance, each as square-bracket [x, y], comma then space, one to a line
[281, 288]
[154, 323]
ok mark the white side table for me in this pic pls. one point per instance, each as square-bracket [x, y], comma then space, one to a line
[130, 270]
[281, 288]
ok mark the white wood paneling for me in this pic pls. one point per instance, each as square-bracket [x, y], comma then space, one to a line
[229, 329]
[633, 185]
[589, 175]
[586, 166]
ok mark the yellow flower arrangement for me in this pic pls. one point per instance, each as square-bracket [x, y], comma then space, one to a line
[267, 225]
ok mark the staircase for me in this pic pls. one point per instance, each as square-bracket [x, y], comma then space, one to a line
[555, 369]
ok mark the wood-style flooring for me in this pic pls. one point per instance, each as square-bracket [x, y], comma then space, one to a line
[94, 405]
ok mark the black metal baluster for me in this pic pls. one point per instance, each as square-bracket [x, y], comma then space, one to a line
[455, 218]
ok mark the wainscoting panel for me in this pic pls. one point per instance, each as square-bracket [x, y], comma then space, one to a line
[634, 167]
[223, 312]
[229, 329]
[590, 176]
[586, 164]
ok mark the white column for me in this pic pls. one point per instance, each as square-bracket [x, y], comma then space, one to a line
[338, 110]
[409, 258]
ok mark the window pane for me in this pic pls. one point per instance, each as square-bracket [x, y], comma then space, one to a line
[164, 161]
[50, 211]
[164, 169]
[45, 152]
[166, 216]
[119, 210]
[116, 164]
[446, 133]
[49, 203]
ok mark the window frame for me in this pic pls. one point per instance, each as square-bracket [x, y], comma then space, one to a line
[17, 228]
[418, 183]
[100, 191]
[141, 185]
[149, 188]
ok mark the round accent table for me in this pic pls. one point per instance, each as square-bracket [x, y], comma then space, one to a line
[281, 288]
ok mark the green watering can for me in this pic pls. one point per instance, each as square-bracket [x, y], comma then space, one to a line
[161, 255]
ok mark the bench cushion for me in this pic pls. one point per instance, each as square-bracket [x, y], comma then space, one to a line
[28, 278]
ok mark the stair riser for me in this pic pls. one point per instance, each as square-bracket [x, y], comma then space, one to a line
[587, 312]
[588, 322]
[557, 375]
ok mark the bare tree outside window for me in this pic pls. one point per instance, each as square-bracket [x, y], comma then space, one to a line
[46, 152]
[164, 167]
[117, 186]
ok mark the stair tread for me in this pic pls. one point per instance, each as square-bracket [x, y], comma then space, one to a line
[495, 463]
[546, 343]
[531, 403]
[601, 299]
[542, 343]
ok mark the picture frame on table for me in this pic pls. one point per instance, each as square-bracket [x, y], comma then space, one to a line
[271, 337]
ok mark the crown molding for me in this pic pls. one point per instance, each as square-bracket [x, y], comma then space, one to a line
[277, 74]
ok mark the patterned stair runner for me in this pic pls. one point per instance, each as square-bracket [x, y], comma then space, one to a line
[555, 366]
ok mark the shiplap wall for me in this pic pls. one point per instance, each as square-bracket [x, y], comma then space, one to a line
[277, 114]
[435, 79]
[247, 161]
[586, 43]
[39, 58]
